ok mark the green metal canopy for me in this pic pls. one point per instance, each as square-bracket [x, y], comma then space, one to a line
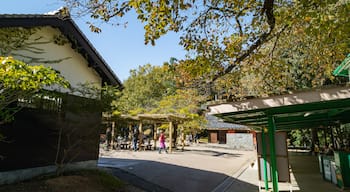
[308, 115]
[310, 109]
[343, 68]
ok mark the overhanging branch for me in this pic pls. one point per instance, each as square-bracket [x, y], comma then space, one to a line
[268, 11]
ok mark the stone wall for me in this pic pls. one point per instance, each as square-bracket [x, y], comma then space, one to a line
[240, 141]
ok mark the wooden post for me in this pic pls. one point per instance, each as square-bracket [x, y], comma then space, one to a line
[140, 135]
[112, 143]
[155, 136]
[175, 125]
[129, 139]
[130, 132]
[171, 136]
[182, 138]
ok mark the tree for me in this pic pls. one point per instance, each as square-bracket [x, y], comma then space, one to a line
[209, 26]
[342, 136]
[184, 102]
[299, 56]
[272, 41]
[144, 89]
[300, 138]
[21, 81]
[306, 52]
[153, 89]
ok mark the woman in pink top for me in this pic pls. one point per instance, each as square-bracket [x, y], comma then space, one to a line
[162, 143]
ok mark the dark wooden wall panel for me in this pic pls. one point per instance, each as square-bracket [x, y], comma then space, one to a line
[32, 138]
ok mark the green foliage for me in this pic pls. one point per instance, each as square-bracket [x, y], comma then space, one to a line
[323, 137]
[314, 44]
[301, 53]
[342, 136]
[249, 47]
[144, 88]
[20, 81]
[183, 102]
[224, 31]
[300, 138]
[17, 75]
[153, 89]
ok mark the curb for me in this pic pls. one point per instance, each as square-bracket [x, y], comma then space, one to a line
[228, 181]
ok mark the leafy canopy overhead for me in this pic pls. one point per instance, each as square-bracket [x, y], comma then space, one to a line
[208, 26]
[274, 44]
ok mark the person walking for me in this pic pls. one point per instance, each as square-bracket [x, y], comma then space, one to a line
[162, 143]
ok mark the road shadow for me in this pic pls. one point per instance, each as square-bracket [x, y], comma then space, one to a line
[162, 177]
[213, 153]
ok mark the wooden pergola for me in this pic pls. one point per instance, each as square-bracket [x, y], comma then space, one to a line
[141, 119]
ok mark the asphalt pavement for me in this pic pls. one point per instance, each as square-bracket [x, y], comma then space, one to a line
[208, 168]
[201, 167]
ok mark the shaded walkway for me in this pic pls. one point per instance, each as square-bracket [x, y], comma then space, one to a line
[305, 176]
[307, 173]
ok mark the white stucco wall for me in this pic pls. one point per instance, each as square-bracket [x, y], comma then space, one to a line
[74, 68]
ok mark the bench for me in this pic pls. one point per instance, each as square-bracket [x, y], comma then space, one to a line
[146, 147]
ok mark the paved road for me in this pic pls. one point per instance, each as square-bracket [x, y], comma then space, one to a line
[205, 169]
[198, 168]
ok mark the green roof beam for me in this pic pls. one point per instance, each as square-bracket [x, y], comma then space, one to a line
[309, 107]
[343, 68]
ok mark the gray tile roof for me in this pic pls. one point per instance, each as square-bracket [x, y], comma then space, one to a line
[217, 123]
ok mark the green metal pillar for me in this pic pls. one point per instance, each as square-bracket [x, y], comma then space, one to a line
[274, 173]
[266, 179]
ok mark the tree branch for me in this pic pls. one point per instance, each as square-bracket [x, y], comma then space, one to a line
[268, 11]
[227, 10]
[239, 26]
[277, 38]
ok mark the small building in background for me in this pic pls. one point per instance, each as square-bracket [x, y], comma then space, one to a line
[235, 136]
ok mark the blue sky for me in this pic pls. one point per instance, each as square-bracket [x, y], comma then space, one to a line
[122, 48]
